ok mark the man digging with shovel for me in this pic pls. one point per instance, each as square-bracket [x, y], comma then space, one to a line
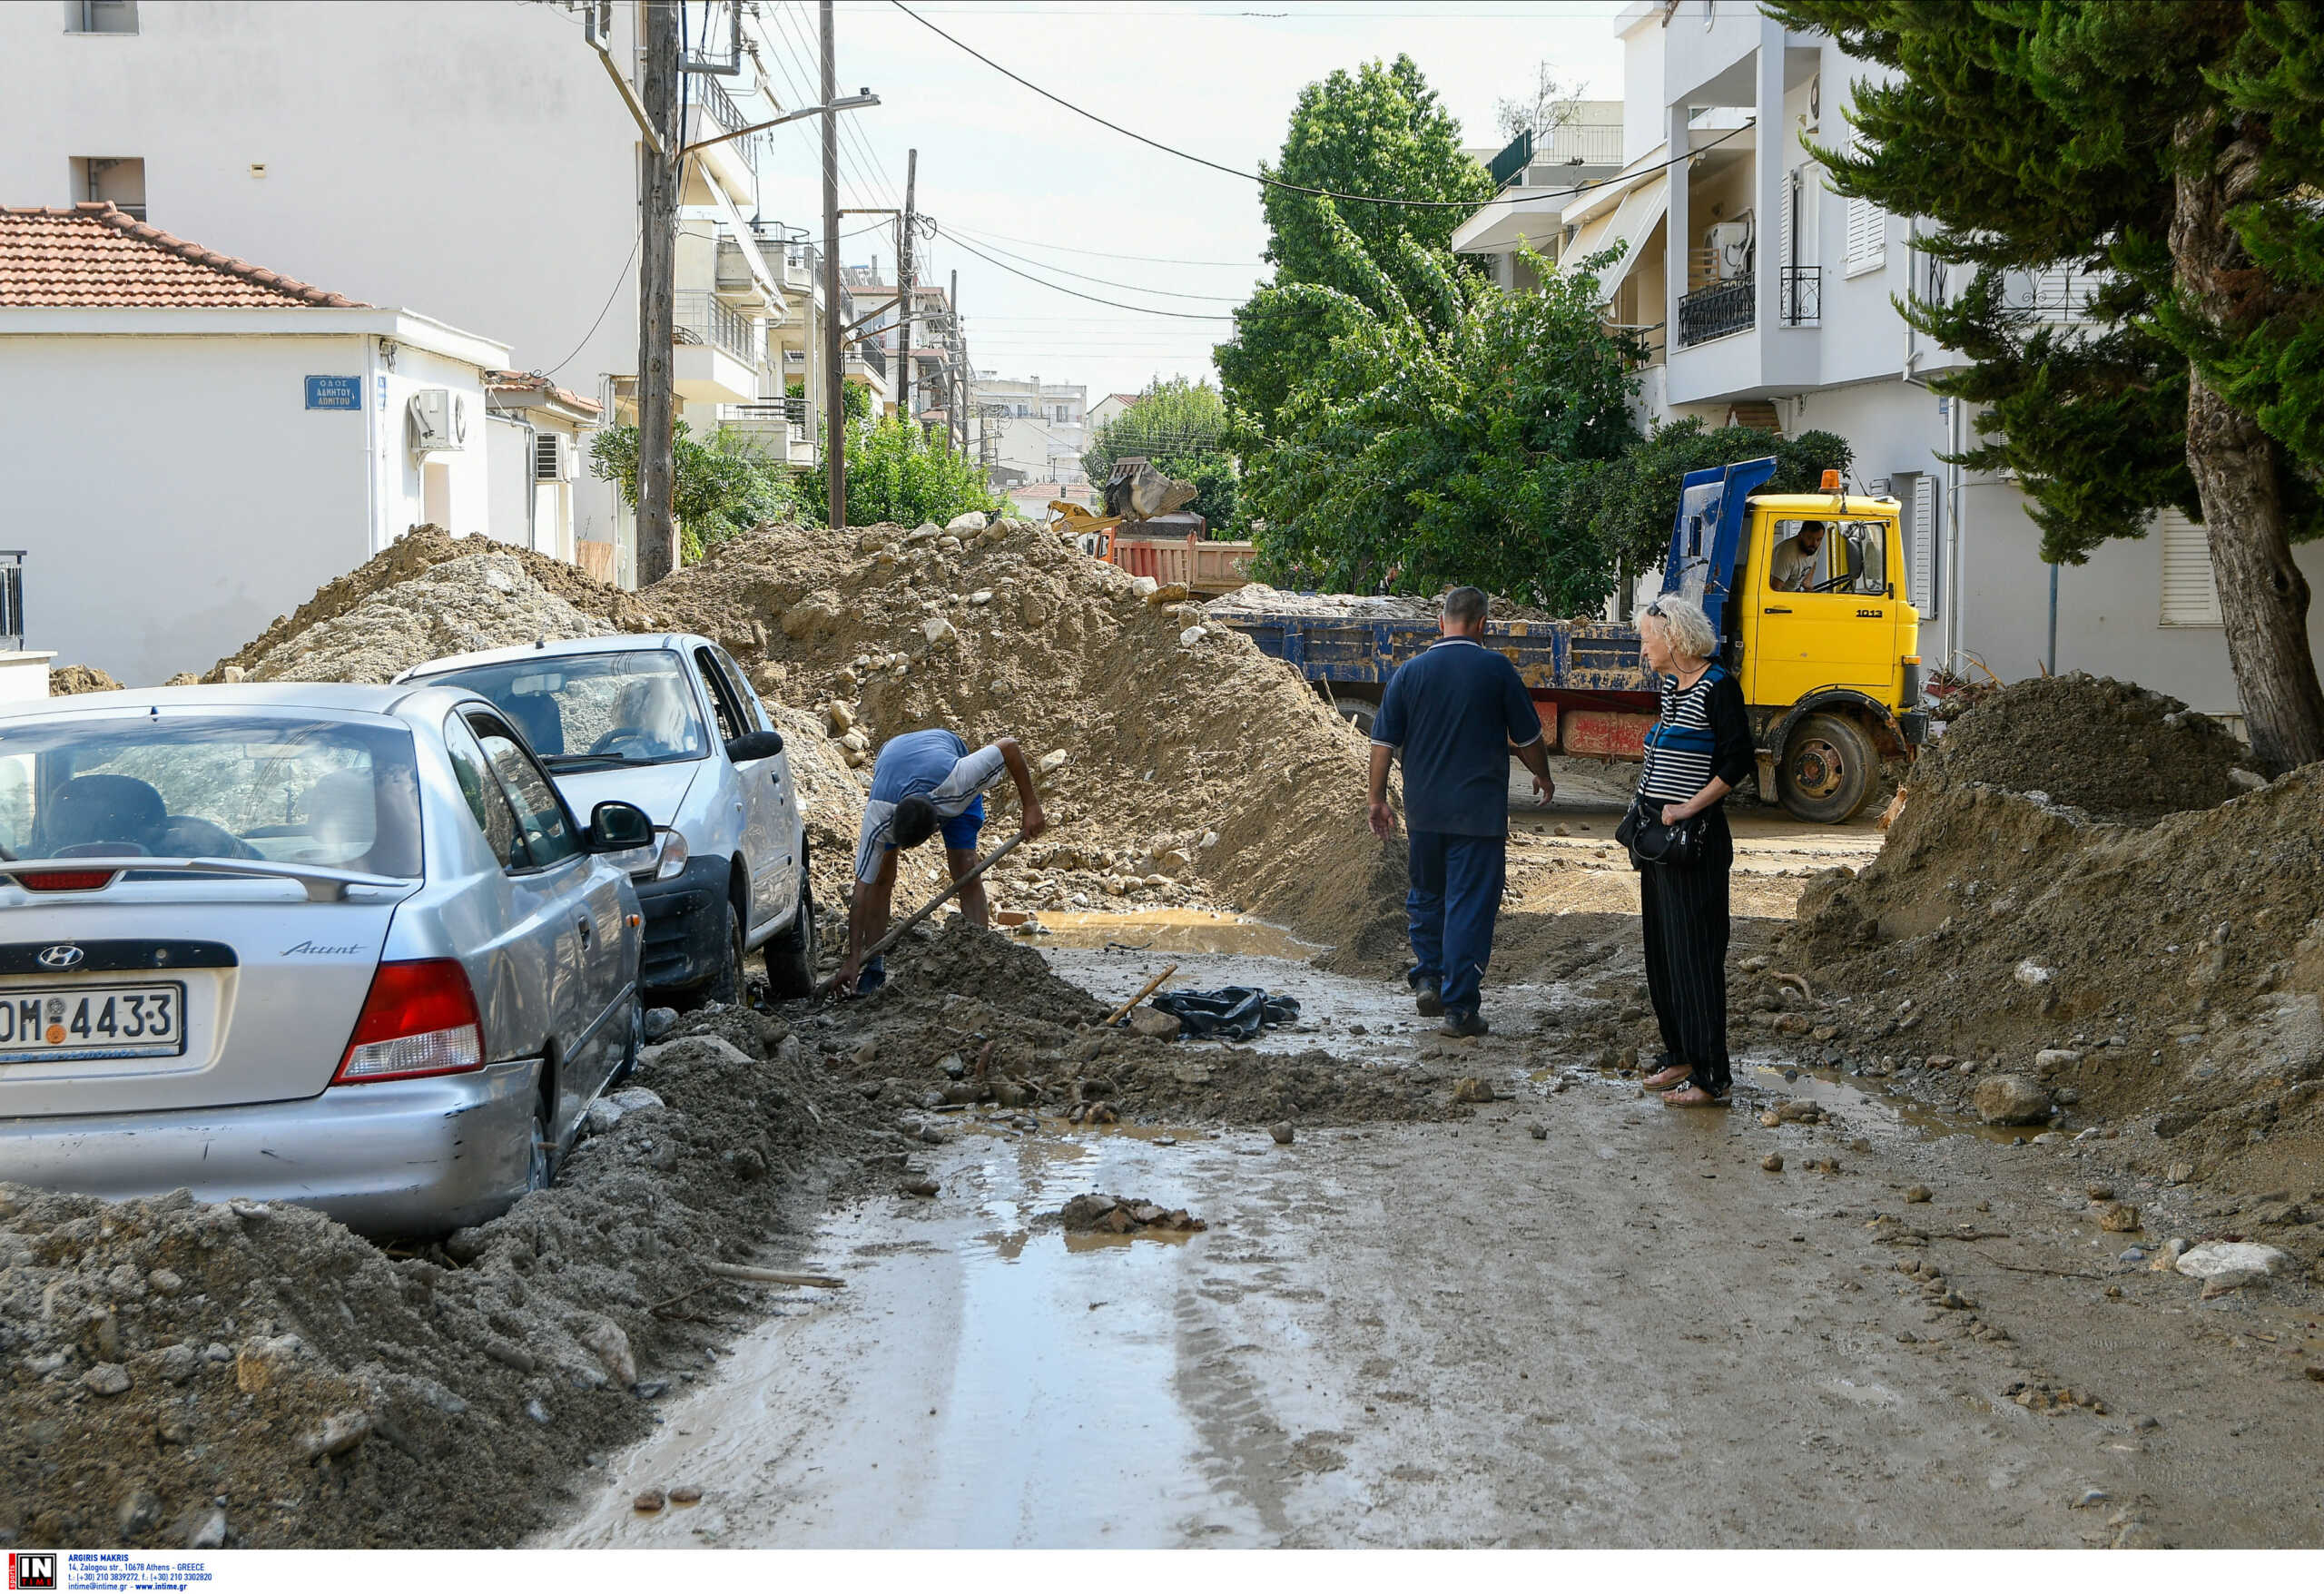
[924, 781]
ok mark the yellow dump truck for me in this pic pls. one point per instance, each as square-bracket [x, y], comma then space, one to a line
[1829, 659]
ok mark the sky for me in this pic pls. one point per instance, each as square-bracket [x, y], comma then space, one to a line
[1040, 189]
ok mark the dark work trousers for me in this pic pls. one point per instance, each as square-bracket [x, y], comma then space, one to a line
[1685, 910]
[1455, 896]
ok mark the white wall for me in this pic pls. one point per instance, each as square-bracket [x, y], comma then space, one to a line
[471, 161]
[173, 495]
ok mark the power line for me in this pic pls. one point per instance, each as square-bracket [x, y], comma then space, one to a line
[620, 278]
[1181, 315]
[1084, 276]
[1158, 259]
[1331, 194]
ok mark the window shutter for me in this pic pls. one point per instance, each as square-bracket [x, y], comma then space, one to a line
[1866, 240]
[1921, 506]
[1787, 238]
[546, 461]
[2190, 590]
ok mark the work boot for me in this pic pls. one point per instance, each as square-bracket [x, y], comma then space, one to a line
[1465, 1024]
[1428, 996]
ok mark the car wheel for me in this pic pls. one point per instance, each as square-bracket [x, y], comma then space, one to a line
[790, 956]
[725, 981]
[1828, 771]
[540, 1164]
[629, 1064]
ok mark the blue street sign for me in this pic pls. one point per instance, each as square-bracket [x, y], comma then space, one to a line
[334, 392]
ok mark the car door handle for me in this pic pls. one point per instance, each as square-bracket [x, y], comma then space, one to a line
[586, 929]
[1775, 611]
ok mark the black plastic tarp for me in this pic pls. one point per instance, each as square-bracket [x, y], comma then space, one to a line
[1235, 1012]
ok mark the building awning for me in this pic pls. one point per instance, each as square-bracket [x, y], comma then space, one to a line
[1503, 224]
[1628, 224]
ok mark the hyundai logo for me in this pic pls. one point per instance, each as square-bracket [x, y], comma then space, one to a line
[63, 957]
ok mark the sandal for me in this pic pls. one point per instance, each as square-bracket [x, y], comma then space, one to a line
[1669, 1078]
[1694, 1096]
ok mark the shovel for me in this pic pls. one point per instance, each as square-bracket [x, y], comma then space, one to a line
[898, 931]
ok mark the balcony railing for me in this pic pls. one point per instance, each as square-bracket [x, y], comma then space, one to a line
[1799, 295]
[775, 427]
[12, 600]
[717, 105]
[702, 317]
[1505, 166]
[1716, 311]
[2058, 294]
[872, 355]
[1583, 144]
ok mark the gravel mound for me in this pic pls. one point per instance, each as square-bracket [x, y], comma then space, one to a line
[157, 1357]
[72, 679]
[2116, 750]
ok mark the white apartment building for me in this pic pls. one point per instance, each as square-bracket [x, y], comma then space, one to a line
[1768, 298]
[476, 158]
[1031, 430]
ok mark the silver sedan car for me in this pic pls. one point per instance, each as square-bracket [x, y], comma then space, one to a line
[340, 946]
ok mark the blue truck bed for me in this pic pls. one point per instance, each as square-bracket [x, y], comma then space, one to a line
[1581, 661]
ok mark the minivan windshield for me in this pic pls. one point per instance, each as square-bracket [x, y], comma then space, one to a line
[594, 711]
[173, 784]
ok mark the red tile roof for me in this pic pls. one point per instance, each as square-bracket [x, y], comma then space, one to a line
[96, 256]
[526, 382]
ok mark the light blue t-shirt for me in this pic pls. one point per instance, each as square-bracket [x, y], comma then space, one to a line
[935, 765]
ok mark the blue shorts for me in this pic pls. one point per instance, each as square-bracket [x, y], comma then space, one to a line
[961, 832]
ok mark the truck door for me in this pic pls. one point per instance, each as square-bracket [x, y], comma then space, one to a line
[1838, 629]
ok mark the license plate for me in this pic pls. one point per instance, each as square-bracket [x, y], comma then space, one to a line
[58, 1023]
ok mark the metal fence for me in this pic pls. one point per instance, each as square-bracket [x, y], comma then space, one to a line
[1799, 295]
[711, 320]
[1718, 310]
[717, 105]
[1505, 166]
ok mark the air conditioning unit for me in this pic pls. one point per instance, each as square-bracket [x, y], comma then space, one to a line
[439, 421]
[554, 457]
[1731, 249]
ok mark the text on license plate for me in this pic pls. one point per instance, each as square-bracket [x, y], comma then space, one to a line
[58, 1022]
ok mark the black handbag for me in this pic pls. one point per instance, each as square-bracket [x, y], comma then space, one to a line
[1649, 841]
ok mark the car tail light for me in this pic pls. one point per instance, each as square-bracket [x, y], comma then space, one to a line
[420, 1019]
[67, 880]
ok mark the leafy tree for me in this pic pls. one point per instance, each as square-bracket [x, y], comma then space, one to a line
[1425, 449]
[1626, 506]
[2177, 148]
[894, 473]
[1380, 133]
[1181, 427]
[725, 485]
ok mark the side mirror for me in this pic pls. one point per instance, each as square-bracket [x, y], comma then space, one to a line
[752, 745]
[619, 827]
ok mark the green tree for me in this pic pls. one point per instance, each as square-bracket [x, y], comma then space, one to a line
[894, 473]
[2177, 148]
[1382, 133]
[720, 487]
[1181, 427]
[1425, 449]
[1626, 506]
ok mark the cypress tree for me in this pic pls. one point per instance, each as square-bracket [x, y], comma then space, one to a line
[2175, 148]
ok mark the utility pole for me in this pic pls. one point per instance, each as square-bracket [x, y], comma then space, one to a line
[955, 434]
[834, 372]
[657, 531]
[904, 287]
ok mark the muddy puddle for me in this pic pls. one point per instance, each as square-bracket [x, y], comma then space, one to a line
[1172, 930]
[1890, 1112]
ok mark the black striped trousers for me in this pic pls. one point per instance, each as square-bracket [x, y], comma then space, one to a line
[1685, 915]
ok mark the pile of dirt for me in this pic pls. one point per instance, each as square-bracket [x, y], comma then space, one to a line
[1175, 757]
[174, 1372]
[2114, 750]
[418, 550]
[72, 679]
[2168, 967]
[1097, 1213]
[969, 1017]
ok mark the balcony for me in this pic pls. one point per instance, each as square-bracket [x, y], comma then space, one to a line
[779, 431]
[1718, 310]
[709, 97]
[714, 361]
[1799, 295]
[2060, 295]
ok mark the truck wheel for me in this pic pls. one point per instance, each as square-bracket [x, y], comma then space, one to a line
[1828, 771]
[791, 955]
[1358, 714]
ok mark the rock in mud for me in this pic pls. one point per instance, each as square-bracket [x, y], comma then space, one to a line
[1918, 1193]
[1098, 1212]
[2216, 1258]
[603, 1338]
[1539, 1131]
[650, 1500]
[1155, 1024]
[921, 1187]
[1473, 1090]
[207, 1531]
[107, 1378]
[340, 1433]
[2118, 1217]
[1283, 1133]
[1800, 1112]
[2011, 1098]
[1772, 1162]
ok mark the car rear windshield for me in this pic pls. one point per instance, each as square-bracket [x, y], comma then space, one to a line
[334, 793]
[602, 709]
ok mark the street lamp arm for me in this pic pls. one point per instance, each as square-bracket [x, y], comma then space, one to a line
[855, 102]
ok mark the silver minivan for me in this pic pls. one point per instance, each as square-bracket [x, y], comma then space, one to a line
[339, 946]
[668, 722]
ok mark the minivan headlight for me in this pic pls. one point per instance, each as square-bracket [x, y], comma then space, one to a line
[662, 861]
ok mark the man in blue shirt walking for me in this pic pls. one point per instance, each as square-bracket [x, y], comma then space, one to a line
[1456, 713]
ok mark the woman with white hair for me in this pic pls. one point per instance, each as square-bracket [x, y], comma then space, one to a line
[1697, 749]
